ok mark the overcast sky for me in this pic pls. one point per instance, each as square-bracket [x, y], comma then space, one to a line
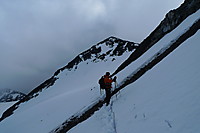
[39, 36]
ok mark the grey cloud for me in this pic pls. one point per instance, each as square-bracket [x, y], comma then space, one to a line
[37, 37]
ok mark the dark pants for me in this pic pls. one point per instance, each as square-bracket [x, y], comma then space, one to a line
[108, 96]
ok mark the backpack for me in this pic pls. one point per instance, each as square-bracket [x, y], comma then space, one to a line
[101, 83]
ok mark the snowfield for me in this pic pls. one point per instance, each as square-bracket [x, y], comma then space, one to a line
[73, 91]
[164, 100]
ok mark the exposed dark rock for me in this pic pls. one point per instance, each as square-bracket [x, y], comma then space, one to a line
[8, 95]
[170, 22]
[116, 47]
[94, 53]
[32, 94]
[80, 117]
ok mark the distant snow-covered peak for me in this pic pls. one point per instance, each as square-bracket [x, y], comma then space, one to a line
[8, 95]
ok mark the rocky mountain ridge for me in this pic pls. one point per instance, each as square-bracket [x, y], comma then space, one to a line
[109, 48]
[8, 95]
[172, 19]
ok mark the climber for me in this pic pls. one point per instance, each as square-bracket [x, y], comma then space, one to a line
[106, 83]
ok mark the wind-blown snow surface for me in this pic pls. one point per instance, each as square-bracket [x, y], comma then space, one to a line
[164, 100]
[72, 92]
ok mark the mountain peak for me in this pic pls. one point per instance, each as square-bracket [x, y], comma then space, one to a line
[8, 95]
[108, 48]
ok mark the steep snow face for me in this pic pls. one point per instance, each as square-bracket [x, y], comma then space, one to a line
[8, 95]
[161, 45]
[165, 99]
[152, 104]
[169, 23]
[76, 87]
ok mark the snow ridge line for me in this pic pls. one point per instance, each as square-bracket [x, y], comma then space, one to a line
[119, 48]
[172, 19]
[31, 95]
[76, 119]
[159, 56]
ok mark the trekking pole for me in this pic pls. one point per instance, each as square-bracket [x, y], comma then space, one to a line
[118, 91]
[116, 87]
[100, 91]
[115, 80]
[116, 84]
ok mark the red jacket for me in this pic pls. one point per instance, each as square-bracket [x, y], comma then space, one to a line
[108, 82]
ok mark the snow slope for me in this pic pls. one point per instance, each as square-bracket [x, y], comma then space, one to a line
[160, 45]
[165, 99]
[74, 90]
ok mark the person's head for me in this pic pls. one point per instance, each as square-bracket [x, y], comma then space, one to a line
[107, 74]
